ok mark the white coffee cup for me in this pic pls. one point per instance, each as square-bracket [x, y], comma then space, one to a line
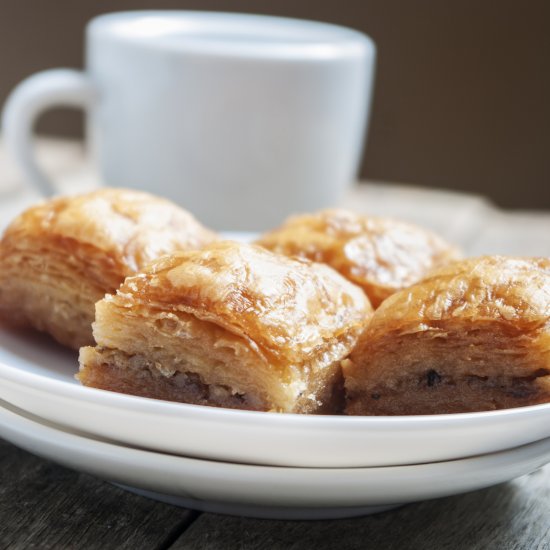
[242, 119]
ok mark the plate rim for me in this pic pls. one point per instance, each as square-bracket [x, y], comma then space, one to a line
[265, 487]
[100, 443]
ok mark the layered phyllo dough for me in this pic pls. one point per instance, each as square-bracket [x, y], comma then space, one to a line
[58, 258]
[381, 255]
[231, 325]
[473, 336]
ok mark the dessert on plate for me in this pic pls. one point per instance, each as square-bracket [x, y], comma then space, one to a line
[472, 336]
[59, 257]
[381, 255]
[230, 325]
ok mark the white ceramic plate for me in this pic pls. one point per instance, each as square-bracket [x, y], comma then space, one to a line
[38, 376]
[265, 491]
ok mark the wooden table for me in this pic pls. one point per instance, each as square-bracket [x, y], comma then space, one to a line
[46, 506]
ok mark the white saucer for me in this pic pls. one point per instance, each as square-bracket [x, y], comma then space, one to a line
[38, 376]
[266, 491]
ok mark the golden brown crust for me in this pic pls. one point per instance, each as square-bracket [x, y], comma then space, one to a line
[381, 255]
[474, 335]
[59, 257]
[276, 327]
[289, 308]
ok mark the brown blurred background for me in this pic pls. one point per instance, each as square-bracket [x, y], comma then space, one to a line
[462, 97]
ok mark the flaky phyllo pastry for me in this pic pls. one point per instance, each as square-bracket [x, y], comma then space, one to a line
[231, 325]
[473, 336]
[381, 255]
[58, 258]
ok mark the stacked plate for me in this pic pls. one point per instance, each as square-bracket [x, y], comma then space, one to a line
[255, 464]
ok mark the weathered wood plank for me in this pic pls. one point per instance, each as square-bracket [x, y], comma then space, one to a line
[43, 505]
[512, 516]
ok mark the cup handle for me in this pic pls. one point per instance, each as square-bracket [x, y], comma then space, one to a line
[37, 93]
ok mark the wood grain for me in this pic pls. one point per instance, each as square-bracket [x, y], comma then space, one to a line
[512, 516]
[48, 507]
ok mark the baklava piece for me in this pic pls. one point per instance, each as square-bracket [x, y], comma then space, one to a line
[58, 258]
[381, 255]
[473, 336]
[231, 325]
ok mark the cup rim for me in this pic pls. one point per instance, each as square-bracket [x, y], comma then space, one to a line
[231, 34]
